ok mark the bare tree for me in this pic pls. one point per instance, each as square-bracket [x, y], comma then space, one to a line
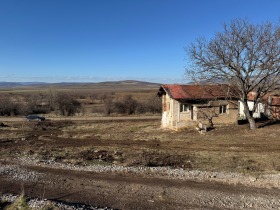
[245, 55]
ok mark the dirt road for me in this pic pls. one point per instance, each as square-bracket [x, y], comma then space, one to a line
[123, 191]
[21, 119]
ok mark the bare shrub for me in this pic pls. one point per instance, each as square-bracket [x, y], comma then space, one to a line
[8, 107]
[67, 105]
[51, 98]
[127, 105]
[35, 105]
[107, 99]
[152, 105]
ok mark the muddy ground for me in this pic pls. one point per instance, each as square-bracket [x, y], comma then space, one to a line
[58, 160]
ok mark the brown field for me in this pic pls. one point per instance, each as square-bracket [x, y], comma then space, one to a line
[90, 96]
[143, 143]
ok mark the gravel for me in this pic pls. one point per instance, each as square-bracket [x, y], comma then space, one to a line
[20, 174]
[261, 181]
[213, 199]
[37, 204]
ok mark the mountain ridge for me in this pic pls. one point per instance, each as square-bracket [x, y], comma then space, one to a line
[4, 84]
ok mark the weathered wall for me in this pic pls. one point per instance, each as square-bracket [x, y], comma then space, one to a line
[275, 112]
[230, 117]
[168, 112]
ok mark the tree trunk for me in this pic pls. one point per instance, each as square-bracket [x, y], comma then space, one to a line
[252, 123]
[249, 116]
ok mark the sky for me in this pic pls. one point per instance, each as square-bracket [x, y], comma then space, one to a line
[109, 40]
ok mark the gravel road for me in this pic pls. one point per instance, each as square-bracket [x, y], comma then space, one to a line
[135, 187]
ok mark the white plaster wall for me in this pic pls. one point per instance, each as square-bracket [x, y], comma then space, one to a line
[164, 120]
[257, 114]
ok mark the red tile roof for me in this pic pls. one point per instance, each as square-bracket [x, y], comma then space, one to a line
[191, 92]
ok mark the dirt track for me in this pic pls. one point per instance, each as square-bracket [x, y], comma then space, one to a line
[130, 192]
[22, 119]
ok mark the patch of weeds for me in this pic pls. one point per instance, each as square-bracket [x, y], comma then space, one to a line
[139, 127]
[252, 165]
[50, 206]
[276, 166]
[155, 159]
[101, 155]
[19, 204]
[4, 204]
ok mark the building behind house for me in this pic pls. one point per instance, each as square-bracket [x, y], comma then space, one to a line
[268, 106]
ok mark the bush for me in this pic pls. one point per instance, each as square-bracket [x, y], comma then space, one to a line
[8, 107]
[152, 105]
[67, 105]
[108, 103]
[127, 105]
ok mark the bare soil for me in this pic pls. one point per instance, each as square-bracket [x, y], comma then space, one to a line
[139, 143]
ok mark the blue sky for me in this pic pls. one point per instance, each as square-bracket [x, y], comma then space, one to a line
[104, 40]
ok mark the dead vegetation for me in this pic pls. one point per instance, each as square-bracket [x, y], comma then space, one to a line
[85, 100]
[143, 143]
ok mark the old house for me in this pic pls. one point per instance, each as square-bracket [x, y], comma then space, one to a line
[188, 105]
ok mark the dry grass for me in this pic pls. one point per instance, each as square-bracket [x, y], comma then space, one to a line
[19, 204]
[230, 148]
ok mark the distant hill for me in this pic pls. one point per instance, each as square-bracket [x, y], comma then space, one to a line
[73, 84]
[19, 84]
[127, 82]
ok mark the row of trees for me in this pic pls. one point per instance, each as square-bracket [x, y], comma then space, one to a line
[66, 105]
[128, 105]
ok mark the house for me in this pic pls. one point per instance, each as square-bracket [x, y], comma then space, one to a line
[188, 105]
[268, 106]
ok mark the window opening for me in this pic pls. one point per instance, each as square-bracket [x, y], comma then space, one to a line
[184, 107]
[223, 109]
